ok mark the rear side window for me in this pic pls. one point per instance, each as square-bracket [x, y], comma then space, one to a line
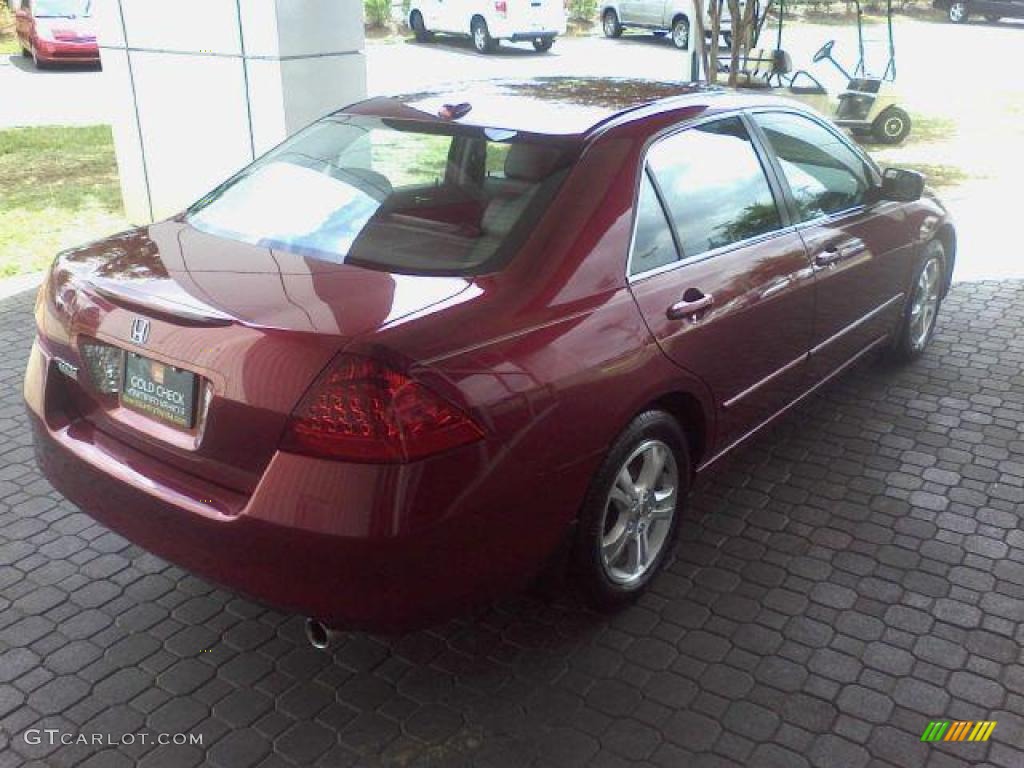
[653, 245]
[824, 173]
[714, 186]
[397, 195]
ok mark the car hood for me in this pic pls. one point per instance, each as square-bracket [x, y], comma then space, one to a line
[175, 271]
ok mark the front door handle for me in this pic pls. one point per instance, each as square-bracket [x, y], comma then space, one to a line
[836, 252]
[692, 302]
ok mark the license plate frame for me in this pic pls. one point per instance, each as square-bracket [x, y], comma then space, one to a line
[165, 393]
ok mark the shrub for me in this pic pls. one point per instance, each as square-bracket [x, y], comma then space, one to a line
[582, 10]
[378, 12]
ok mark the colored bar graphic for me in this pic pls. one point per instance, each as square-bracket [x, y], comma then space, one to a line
[958, 730]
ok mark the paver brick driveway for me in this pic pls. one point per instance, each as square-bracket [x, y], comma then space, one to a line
[849, 576]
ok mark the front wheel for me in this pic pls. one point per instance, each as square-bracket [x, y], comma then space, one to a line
[958, 13]
[543, 44]
[419, 28]
[681, 33]
[482, 40]
[922, 307]
[892, 126]
[610, 24]
[630, 514]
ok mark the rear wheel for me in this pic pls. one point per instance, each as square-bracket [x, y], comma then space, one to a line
[892, 126]
[922, 307]
[630, 515]
[482, 40]
[958, 13]
[543, 44]
[610, 24]
[419, 28]
[681, 33]
[992, 19]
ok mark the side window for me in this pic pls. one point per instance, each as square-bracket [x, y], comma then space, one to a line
[824, 173]
[714, 186]
[653, 245]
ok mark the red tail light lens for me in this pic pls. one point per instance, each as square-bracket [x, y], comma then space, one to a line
[501, 6]
[360, 410]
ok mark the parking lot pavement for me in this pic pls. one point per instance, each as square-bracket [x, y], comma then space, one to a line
[65, 96]
[848, 577]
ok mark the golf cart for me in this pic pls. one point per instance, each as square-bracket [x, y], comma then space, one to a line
[868, 106]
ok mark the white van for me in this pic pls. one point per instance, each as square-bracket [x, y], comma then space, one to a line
[488, 21]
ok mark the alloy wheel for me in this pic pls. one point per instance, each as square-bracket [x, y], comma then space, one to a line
[957, 12]
[639, 512]
[611, 24]
[681, 33]
[925, 303]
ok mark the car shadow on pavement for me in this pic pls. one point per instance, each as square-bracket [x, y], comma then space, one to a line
[25, 64]
[464, 46]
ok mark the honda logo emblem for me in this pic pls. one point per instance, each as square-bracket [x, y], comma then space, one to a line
[140, 330]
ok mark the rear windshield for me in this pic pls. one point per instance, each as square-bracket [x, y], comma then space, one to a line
[398, 195]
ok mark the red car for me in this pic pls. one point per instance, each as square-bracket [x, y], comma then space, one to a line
[54, 31]
[393, 367]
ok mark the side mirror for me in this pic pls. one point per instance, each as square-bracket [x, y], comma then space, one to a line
[901, 185]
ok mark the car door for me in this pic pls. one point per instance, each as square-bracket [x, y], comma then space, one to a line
[860, 251]
[724, 284]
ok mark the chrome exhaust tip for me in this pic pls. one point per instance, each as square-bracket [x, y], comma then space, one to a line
[320, 636]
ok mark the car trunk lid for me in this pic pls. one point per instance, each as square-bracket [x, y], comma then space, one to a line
[247, 328]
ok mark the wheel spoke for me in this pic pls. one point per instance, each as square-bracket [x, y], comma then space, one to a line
[612, 550]
[643, 549]
[624, 483]
[654, 464]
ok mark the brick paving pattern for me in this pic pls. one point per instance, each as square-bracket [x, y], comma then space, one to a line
[849, 576]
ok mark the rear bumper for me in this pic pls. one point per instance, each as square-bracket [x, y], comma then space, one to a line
[54, 52]
[382, 548]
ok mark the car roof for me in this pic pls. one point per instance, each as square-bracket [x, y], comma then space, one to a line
[559, 106]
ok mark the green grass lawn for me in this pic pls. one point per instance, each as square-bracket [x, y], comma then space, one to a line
[60, 188]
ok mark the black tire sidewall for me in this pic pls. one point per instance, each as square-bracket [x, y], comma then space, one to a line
[602, 591]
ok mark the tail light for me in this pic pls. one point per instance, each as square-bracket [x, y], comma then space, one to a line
[360, 410]
[501, 7]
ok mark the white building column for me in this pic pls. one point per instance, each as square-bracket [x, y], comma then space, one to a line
[199, 88]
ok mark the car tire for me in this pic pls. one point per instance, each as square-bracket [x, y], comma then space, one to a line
[543, 44]
[958, 13]
[36, 61]
[681, 33]
[610, 24]
[917, 326]
[892, 126]
[25, 52]
[992, 19]
[619, 511]
[482, 40]
[419, 28]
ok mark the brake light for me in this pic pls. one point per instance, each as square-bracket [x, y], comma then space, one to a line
[360, 410]
[501, 7]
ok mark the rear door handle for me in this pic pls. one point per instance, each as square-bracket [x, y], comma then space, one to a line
[689, 307]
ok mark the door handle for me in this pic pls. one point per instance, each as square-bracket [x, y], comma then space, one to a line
[836, 252]
[688, 307]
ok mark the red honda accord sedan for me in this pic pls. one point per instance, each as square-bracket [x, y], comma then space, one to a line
[52, 31]
[391, 368]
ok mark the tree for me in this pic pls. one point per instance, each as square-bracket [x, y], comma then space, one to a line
[744, 26]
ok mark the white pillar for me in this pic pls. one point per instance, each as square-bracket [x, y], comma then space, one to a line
[199, 88]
